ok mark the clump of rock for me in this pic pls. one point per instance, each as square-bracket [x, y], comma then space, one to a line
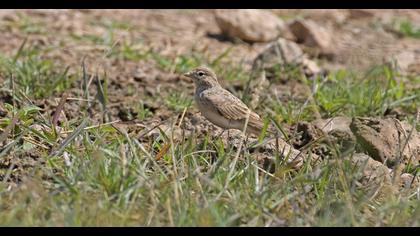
[324, 132]
[407, 62]
[360, 13]
[251, 25]
[385, 146]
[285, 52]
[388, 140]
[312, 35]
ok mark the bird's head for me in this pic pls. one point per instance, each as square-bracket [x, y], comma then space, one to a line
[203, 76]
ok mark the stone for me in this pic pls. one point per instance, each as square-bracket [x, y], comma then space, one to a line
[409, 181]
[360, 13]
[175, 132]
[250, 25]
[336, 124]
[282, 51]
[326, 131]
[311, 34]
[372, 170]
[405, 59]
[310, 67]
[385, 140]
[395, 112]
[414, 68]
[8, 15]
[139, 74]
[285, 52]
[269, 148]
[307, 133]
[338, 128]
[374, 176]
[377, 173]
[334, 16]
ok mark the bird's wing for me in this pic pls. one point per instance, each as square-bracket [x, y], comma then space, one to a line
[228, 105]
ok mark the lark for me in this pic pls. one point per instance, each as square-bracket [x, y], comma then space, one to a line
[225, 110]
[220, 106]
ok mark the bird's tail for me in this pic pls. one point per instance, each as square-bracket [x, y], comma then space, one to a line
[257, 127]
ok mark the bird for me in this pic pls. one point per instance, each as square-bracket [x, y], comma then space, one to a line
[226, 111]
[220, 106]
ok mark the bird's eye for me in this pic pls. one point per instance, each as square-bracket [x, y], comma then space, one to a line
[200, 73]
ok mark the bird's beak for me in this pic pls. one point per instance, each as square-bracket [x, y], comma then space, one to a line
[188, 74]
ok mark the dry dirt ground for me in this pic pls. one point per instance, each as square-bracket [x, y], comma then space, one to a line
[72, 36]
[139, 56]
[115, 43]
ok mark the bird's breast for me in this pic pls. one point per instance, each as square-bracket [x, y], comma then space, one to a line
[211, 114]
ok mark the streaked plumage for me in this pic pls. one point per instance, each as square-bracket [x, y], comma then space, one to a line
[220, 106]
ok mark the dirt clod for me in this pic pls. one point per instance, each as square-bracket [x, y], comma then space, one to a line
[360, 13]
[284, 53]
[250, 25]
[311, 34]
[387, 140]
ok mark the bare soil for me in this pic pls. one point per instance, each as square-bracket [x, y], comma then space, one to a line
[357, 43]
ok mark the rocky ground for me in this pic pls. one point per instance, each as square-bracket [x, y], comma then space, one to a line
[122, 69]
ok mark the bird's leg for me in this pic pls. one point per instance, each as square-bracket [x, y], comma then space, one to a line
[228, 139]
[246, 141]
[218, 136]
[245, 148]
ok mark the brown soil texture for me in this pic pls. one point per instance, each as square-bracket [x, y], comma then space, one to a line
[76, 36]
